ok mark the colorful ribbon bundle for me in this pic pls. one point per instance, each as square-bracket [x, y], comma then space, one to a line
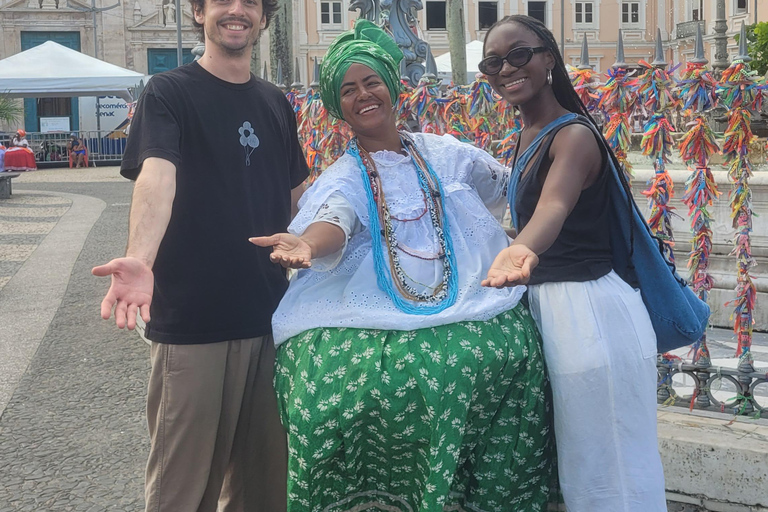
[617, 99]
[654, 90]
[744, 302]
[697, 88]
[618, 136]
[654, 87]
[424, 106]
[296, 98]
[697, 92]
[314, 119]
[586, 85]
[739, 87]
[334, 141]
[657, 143]
[617, 94]
[453, 110]
[482, 105]
[739, 91]
[403, 112]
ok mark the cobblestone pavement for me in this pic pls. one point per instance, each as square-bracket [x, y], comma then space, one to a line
[73, 435]
[25, 219]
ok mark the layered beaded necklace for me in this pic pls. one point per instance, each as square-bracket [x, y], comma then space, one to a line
[407, 298]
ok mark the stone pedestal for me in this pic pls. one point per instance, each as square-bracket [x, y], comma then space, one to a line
[5, 184]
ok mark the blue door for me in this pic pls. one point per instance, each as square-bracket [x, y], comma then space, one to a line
[30, 40]
[164, 59]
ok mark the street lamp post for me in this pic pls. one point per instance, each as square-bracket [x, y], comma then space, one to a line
[721, 39]
[93, 10]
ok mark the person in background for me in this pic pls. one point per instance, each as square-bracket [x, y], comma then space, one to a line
[20, 139]
[19, 156]
[76, 146]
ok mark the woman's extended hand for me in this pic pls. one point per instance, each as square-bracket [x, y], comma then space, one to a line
[512, 267]
[288, 250]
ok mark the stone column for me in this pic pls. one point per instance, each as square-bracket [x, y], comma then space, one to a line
[721, 39]
[256, 58]
[281, 40]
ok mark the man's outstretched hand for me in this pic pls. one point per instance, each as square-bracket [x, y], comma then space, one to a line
[512, 266]
[130, 291]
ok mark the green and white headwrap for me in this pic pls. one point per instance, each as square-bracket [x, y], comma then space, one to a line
[366, 44]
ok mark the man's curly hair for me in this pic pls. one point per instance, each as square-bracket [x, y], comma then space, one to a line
[269, 7]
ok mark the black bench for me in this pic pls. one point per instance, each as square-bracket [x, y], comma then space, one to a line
[5, 183]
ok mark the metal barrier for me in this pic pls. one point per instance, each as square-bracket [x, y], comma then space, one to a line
[104, 146]
[741, 391]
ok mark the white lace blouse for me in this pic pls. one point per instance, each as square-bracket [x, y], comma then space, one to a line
[340, 290]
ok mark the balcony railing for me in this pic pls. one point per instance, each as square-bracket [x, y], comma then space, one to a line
[688, 29]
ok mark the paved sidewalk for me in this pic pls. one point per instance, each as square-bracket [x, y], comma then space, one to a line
[73, 435]
[31, 295]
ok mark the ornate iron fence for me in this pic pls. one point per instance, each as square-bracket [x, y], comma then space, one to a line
[741, 391]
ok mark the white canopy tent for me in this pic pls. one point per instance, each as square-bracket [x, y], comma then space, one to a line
[474, 53]
[53, 70]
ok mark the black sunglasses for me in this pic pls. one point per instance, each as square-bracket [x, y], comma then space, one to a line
[517, 57]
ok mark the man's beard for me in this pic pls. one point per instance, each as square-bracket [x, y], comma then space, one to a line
[237, 52]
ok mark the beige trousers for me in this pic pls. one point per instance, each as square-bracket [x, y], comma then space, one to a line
[217, 440]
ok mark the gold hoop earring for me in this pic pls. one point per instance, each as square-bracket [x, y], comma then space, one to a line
[549, 76]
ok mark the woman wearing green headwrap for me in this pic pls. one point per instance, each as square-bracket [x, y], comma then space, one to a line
[403, 384]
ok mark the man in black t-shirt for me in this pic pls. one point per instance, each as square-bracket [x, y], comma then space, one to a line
[216, 159]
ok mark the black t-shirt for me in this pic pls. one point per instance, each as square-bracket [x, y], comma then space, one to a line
[237, 157]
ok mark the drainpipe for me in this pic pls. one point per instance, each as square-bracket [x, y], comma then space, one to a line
[562, 28]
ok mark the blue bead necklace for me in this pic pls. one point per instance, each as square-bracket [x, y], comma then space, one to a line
[403, 294]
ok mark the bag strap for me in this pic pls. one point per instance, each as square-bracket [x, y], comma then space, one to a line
[632, 207]
[521, 162]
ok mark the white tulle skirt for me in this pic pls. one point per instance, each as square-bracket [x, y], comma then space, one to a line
[600, 350]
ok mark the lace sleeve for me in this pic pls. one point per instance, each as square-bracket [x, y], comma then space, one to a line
[338, 211]
[490, 179]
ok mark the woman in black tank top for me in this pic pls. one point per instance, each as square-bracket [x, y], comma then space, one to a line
[598, 339]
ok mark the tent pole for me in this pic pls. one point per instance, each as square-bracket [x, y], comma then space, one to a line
[179, 18]
[96, 55]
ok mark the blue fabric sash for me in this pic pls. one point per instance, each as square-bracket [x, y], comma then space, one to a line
[521, 162]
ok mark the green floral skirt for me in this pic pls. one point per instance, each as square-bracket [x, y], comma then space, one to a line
[450, 418]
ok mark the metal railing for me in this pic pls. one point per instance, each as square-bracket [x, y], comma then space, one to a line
[741, 391]
[688, 29]
[104, 147]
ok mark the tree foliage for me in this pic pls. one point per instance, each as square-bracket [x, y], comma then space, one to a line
[757, 46]
[10, 111]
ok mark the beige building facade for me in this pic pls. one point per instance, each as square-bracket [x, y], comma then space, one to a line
[599, 20]
[141, 34]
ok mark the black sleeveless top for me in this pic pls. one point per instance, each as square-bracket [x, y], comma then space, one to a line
[582, 250]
